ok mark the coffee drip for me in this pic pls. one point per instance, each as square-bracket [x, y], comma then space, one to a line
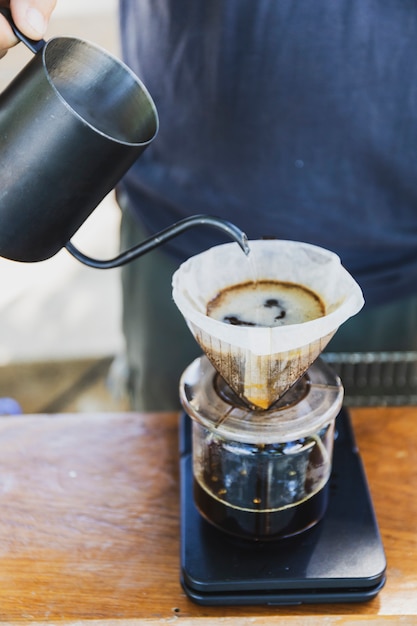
[263, 405]
[261, 364]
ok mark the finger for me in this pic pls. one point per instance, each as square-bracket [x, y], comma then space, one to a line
[7, 38]
[32, 16]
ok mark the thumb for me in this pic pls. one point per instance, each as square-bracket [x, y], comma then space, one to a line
[32, 16]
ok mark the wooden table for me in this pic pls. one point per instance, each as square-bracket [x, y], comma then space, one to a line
[89, 524]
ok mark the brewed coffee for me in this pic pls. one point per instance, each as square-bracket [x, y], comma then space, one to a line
[258, 474]
[254, 526]
[262, 491]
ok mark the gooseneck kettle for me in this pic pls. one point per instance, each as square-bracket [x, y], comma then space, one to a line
[72, 122]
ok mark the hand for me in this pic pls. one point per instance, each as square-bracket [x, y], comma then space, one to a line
[30, 16]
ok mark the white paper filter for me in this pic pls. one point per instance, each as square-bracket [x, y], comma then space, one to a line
[260, 364]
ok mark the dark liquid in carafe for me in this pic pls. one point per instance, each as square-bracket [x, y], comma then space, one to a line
[261, 525]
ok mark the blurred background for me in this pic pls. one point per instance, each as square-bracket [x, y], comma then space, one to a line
[60, 320]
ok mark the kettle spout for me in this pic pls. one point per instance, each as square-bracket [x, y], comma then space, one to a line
[176, 229]
[216, 222]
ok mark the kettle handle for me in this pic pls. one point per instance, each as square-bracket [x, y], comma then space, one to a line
[33, 44]
[164, 235]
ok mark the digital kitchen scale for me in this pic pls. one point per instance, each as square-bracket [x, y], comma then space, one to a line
[341, 559]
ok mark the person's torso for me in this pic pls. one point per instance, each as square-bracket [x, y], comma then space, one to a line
[294, 120]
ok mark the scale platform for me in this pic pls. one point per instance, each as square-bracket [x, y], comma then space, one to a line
[341, 559]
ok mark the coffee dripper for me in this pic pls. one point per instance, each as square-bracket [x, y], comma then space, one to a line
[275, 507]
[262, 426]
